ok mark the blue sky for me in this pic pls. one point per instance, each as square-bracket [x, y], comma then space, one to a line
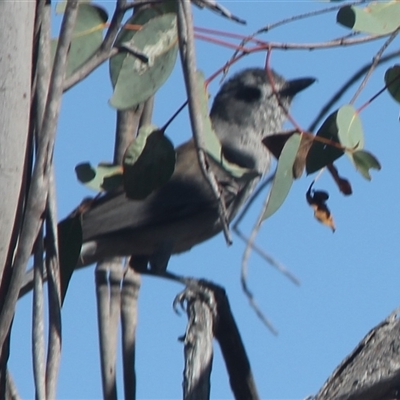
[349, 279]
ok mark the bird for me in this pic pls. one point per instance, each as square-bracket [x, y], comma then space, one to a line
[184, 211]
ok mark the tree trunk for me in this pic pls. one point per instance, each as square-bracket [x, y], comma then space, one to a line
[16, 24]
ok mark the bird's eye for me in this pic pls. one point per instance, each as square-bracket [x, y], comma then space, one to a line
[248, 94]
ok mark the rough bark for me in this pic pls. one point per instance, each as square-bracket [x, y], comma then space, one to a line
[372, 370]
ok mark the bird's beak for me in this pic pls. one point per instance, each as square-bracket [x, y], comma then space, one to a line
[295, 86]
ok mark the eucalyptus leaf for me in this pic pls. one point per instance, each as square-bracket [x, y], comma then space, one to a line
[376, 19]
[392, 80]
[364, 161]
[350, 130]
[284, 176]
[321, 154]
[149, 163]
[104, 177]
[87, 36]
[134, 79]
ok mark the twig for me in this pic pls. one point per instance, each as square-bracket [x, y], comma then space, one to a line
[42, 79]
[243, 278]
[38, 345]
[305, 15]
[54, 291]
[104, 52]
[345, 87]
[374, 64]
[186, 46]
[270, 260]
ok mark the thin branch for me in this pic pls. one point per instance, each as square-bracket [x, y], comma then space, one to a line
[339, 42]
[115, 24]
[127, 122]
[104, 52]
[305, 15]
[237, 362]
[270, 260]
[42, 78]
[38, 345]
[186, 47]
[263, 46]
[243, 278]
[137, 4]
[95, 61]
[374, 64]
[345, 87]
[54, 291]
[147, 113]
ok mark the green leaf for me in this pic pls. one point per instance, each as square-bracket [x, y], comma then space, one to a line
[321, 154]
[284, 175]
[212, 145]
[392, 80]
[70, 243]
[364, 161]
[135, 80]
[87, 36]
[342, 127]
[103, 177]
[376, 18]
[139, 19]
[148, 163]
[350, 130]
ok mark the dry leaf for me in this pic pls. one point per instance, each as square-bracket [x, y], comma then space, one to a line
[317, 200]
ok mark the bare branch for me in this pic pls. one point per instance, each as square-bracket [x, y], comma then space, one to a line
[127, 126]
[104, 52]
[238, 365]
[198, 340]
[345, 87]
[208, 309]
[38, 345]
[243, 278]
[186, 47]
[374, 64]
[305, 15]
[42, 80]
[129, 318]
[54, 291]
[108, 317]
[269, 259]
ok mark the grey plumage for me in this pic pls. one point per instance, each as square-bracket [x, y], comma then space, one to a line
[184, 211]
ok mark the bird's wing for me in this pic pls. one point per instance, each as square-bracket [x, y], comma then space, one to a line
[185, 195]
